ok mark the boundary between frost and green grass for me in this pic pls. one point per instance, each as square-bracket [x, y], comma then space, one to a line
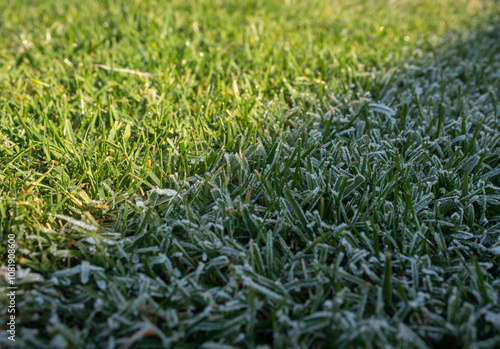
[371, 223]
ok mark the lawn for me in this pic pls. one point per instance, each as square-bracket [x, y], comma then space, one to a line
[223, 174]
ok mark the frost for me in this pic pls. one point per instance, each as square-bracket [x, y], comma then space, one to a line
[380, 108]
[167, 192]
[77, 223]
[495, 250]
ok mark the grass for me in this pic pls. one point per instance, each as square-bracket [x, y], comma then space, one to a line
[216, 174]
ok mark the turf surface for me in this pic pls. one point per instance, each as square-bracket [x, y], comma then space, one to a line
[292, 174]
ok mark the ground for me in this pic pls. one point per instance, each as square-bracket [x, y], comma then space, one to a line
[220, 174]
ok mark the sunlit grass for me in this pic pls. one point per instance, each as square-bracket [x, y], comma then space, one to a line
[240, 173]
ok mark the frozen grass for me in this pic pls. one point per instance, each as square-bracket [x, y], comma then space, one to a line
[298, 174]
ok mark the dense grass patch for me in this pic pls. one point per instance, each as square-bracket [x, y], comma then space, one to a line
[295, 174]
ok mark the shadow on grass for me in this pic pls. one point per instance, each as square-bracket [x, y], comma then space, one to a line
[442, 107]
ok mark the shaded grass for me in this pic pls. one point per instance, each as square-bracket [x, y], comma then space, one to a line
[287, 187]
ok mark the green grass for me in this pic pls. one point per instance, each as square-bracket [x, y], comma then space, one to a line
[297, 174]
